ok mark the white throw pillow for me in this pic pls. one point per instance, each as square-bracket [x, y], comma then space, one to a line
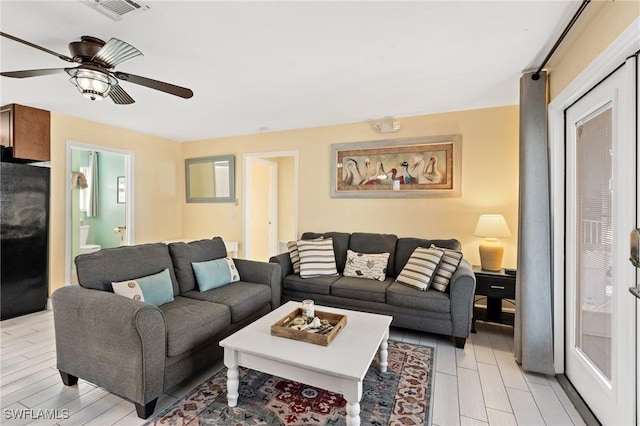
[369, 266]
[317, 258]
[420, 268]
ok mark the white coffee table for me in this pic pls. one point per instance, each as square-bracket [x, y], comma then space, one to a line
[339, 367]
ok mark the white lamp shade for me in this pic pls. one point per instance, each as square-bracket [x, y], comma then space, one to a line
[492, 226]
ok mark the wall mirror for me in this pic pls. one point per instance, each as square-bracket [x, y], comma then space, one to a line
[210, 179]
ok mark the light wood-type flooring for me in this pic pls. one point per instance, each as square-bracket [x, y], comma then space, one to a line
[480, 385]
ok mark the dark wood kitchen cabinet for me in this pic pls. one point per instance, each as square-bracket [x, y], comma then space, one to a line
[26, 131]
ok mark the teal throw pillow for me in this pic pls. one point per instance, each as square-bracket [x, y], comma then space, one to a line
[215, 273]
[154, 289]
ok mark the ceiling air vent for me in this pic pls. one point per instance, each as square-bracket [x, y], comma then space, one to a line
[116, 9]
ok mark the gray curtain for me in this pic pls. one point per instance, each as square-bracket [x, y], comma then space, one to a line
[92, 205]
[534, 310]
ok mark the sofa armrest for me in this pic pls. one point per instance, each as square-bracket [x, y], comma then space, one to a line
[462, 289]
[262, 273]
[284, 260]
[112, 341]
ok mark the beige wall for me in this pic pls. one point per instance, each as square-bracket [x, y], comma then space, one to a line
[159, 183]
[599, 25]
[489, 181]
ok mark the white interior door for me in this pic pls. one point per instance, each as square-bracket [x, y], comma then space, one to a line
[601, 193]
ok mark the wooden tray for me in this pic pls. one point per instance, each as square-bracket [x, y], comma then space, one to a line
[338, 321]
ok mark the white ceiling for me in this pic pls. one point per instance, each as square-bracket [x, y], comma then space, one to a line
[258, 66]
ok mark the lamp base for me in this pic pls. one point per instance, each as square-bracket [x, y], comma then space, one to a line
[491, 252]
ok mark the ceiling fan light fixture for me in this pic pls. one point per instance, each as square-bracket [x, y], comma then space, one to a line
[94, 85]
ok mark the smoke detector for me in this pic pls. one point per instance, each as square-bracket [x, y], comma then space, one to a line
[116, 9]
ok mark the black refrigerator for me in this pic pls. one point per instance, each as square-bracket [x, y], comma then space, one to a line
[24, 231]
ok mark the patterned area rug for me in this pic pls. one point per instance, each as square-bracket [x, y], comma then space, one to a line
[401, 396]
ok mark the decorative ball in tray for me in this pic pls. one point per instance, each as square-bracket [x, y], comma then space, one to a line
[321, 330]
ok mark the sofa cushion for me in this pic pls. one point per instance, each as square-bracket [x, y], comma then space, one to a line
[155, 289]
[450, 261]
[183, 254]
[368, 266]
[317, 258]
[99, 269]
[191, 323]
[215, 273]
[365, 242]
[340, 245]
[406, 246]
[359, 289]
[317, 285]
[421, 268]
[407, 297]
[241, 297]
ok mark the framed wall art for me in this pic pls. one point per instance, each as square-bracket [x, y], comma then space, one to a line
[417, 167]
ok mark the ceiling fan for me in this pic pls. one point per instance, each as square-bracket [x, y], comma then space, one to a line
[95, 76]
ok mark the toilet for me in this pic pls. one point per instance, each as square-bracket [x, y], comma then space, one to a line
[84, 247]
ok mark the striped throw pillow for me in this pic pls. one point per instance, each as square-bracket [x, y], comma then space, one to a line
[317, 258]
[292, 246]
[420, 268]
[450, 261]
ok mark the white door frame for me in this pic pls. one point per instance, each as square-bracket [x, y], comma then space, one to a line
[246, 161]
[129, 161]
[625, 45]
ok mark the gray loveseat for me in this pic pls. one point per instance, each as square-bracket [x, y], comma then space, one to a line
[137, 350]
[448, 312]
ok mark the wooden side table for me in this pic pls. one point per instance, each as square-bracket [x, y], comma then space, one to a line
[495, 286]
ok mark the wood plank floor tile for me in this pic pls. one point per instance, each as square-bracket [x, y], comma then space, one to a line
[445, 400]
[446, 358]
[500, 418]
[495, 394]
[549, 405]
[470, 396]
[510, 371]
[525, 409]
[466, 358]
[566, 402]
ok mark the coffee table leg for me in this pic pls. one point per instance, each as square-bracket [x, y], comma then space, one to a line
[231, 362]
[383, 352]
[353, 413]
[352, 395]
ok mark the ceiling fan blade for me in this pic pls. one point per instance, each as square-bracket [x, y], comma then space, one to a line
[114, 52]
[31, 73]
[119, 96]
[172, 89]
[35, 46]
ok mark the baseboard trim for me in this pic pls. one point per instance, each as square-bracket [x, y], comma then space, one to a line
[577, 401]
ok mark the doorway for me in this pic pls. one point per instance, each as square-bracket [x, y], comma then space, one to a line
[99, 201]
[270, 202]
[601, 194]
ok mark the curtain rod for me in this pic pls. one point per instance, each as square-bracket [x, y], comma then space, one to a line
[584, 4]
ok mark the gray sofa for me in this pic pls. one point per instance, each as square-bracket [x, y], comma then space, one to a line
[137, 350]
[448, 312]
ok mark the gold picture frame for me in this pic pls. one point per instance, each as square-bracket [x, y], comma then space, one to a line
[415, 167]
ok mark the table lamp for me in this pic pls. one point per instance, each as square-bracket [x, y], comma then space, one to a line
[491, 227]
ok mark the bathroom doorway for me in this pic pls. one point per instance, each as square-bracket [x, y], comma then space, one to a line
[99, 201]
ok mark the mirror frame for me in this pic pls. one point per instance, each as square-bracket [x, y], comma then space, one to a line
[232, 181]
